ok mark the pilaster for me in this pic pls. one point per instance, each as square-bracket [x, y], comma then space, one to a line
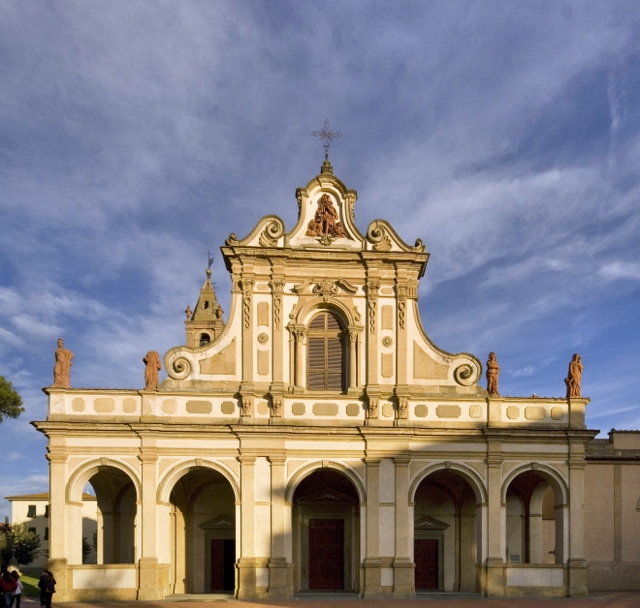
[280, 571]
[403, 567]
[372, 564]
[149, 584]
[247, 563]
[495, 513]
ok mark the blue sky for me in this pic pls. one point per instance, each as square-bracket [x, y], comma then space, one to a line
[135, 136]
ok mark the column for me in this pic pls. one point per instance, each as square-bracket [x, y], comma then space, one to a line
[372, 563]
[577, 563]
[353, 359]
[495, 532]
[280, 579]
[149, 582]
[247, 562]
[58, 532]
[403, 567]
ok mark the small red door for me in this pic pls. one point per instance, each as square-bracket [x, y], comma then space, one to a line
[326, 554]
[426, 560]
[223, 557]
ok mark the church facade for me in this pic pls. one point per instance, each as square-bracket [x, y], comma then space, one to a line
[319, 441]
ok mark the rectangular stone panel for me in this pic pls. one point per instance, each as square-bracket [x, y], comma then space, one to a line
[104, 405]
[535, 412]
[298, 409]
[263, 313]
[353, 409]
[228, 407]
[263, 362]
[387, 317]
[448, 411]
[199, 407]
[325, 409]
[387, 365]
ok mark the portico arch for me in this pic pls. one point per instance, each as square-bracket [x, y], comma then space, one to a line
[448, 506]
[117, 489]
[536, 532]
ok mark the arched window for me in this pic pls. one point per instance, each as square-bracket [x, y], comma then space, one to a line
[325, 361]
[204, 339]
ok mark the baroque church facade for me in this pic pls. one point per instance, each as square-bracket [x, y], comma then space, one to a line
[319, 441]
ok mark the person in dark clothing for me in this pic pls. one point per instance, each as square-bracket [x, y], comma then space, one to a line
[7, 587]
[47, 585]
[17, 594]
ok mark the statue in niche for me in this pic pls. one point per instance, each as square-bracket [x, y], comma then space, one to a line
[325, 222]
[574, 377]
[219, 312]
[153, 367]
[188, 312]
[62, 366]
[493, 371]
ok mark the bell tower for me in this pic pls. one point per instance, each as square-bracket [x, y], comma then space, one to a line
[204, 324]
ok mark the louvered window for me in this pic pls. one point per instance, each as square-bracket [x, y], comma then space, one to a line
[325, 369]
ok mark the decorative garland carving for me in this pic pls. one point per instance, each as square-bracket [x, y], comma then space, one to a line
[270, 235]
[277, 288]
[247, 291]
[402, 307]
[372, 300]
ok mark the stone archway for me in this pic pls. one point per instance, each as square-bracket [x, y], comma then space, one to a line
[116, 498]
[326, 532]
[535, 514]
[446, 523]
[202, 528]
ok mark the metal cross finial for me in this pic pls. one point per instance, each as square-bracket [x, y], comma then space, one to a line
[327, 135]
[209, 258]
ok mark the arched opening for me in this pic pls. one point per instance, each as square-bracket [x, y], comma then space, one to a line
[326, 533]
[325, 353]
[446, 526]
[116, 500]
[203, 533]
[205, 339]
[534, 520]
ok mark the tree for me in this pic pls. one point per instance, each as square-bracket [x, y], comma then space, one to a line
[10, 401]
[86, 549]
[19, 543]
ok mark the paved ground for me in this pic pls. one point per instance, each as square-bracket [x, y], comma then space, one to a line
[597, 600]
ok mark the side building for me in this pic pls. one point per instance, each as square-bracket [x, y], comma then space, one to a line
[32, 510]
[317, 440]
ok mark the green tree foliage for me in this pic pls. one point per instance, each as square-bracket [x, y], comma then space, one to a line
[86, 549]
[10, 401]
[19, 543]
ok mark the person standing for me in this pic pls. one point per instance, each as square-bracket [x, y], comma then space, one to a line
[7, 587]
[47, 585]
[17, 594]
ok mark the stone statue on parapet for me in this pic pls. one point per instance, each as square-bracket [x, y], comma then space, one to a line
[62, 366]
[153, 367]
[493, 372]
[574, 377]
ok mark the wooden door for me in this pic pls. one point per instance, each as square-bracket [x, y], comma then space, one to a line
[326, 554]
[426, 560]
[223, 557]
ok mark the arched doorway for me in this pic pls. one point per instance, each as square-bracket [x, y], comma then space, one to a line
[534, 520]
[203, 533]
[115, 541]
[445, 534]
[326, 532]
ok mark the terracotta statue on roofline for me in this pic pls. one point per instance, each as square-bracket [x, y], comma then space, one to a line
[574, 377]
[153, 366]
[62, 366]
[493, 371]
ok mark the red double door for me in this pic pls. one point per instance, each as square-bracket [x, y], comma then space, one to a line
[326, 554]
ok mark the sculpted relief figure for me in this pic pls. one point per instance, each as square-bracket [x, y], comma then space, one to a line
[62, 366]
[574, 377]
[325, 222]
[153, 367]
[493, 371]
